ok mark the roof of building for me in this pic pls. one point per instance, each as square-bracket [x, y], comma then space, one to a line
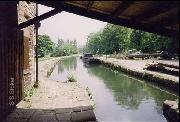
[161, 17]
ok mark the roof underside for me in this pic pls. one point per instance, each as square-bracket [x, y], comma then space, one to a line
[161, 17]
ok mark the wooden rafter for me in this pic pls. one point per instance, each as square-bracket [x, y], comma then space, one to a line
[121, 21]
[53, 4]
[121, 8]
[168, 21]
[157, 10]
[134, 22]
[39, 18]
[89, 5]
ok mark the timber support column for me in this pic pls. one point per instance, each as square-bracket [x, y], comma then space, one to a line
[9, 73]
[37, 25]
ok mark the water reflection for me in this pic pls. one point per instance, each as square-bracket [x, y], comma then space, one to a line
[68, 64]
[115, 93]
[128, 92]
[159, 97]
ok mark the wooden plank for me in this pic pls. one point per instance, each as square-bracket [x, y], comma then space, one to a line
[131, 23]
[1, 69]
[8, 20]
[158, 8]
[26, 53]
[89, 5]
[39, 18]
[168, 21]
[6, 73]
[121, 21]
[134, 23]
[122, 7]
[53, 4]
[19, 65]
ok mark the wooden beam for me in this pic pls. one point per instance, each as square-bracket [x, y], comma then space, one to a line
[52, 4]
[168, 21]
[133, 23]
[40, 18]
[121, 8]
[89, 5]
[158, 8]
[121, 21]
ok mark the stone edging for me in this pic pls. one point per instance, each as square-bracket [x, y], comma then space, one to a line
[168, 84]
[171, 111]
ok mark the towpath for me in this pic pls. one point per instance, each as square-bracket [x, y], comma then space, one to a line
[54, 101]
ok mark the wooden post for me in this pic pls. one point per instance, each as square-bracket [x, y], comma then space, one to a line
[8, 57]
[37, 24]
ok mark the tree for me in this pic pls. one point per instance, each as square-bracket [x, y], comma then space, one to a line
[114, 38]
[135, 39]
[45, 45]
[64, 48]
[111, 39]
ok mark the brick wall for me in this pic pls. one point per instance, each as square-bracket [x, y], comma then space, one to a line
[26, 11]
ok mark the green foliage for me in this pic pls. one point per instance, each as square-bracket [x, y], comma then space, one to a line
[89, 92]
[177, 100]
[109, 40]
[29, 92]
[135, 39]
[45, 45]
[71, 78]
[118, 39]
[50, 71]
[149, 42]
[64, 48]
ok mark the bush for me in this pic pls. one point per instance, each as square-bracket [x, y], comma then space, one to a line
[44, 45]
[29, 92]
[64, 48]
[71, 78]
[89, 93]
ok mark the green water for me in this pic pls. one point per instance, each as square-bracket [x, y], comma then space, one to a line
[117, 96]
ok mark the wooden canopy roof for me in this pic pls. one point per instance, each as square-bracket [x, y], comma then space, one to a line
[161, 17]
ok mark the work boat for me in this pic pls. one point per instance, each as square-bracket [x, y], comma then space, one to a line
[87, 57]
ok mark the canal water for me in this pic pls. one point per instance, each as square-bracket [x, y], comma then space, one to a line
[117, 97]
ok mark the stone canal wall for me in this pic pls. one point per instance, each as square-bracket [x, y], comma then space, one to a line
[135, 68]
[171, 111]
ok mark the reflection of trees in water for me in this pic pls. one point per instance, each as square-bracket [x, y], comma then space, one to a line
[60, 67]
[90, 65]
[159, 97]
[68, 63]
[127, 92]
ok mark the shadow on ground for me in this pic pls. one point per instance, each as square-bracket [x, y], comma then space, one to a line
[76, 114]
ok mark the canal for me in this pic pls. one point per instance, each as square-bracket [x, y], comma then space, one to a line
[117, 97]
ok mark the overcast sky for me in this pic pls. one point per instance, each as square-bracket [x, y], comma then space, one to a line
[68, 26]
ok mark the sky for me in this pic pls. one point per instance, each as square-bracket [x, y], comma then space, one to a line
[68, 26]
